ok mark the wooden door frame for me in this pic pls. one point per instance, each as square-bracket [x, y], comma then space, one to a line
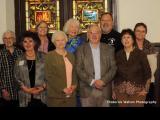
[20, 20]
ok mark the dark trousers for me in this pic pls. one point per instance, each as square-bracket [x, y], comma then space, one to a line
[36, 103]
[151, 96]
[11, 103]
[78, 100]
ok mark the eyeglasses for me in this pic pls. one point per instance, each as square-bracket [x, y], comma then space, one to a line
[8, 38]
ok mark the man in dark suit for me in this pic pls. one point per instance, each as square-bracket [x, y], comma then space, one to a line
[96, 68]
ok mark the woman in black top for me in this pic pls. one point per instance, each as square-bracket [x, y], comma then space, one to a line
[29, 73]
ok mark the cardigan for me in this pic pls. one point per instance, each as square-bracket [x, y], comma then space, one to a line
[22, 78]
[55, 72]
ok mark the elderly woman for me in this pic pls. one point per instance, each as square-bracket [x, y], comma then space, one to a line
[8, 56]
[72, 29]
[60, 74]
[29, 73]
[75, 39]
[45, 39]
[133, 72]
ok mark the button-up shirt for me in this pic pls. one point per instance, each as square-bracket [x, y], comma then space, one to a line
[7, 61]
[96, 62]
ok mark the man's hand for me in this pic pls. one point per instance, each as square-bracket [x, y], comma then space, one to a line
[99, 84]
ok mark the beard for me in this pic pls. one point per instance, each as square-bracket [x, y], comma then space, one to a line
[105, 28]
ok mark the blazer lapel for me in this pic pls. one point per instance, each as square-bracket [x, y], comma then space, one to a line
[102, 59]
[24, 69]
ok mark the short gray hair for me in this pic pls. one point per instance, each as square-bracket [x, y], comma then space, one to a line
[58, 33]
[11, 32]
[93, 25]
[69, 22]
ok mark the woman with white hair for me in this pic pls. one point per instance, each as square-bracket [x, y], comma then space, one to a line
[72, 29]
[60, 74]
[8, 55]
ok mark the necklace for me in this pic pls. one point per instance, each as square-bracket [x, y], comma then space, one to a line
[32, 63]
[30, 57]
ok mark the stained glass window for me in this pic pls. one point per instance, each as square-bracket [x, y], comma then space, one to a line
[46, 10]
[88, 11]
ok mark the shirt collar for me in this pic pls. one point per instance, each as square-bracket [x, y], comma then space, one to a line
[94, 48]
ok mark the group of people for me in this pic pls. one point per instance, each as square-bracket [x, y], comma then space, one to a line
[70, 69]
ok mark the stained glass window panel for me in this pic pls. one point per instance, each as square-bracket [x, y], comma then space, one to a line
[88, 11]
[42, 10]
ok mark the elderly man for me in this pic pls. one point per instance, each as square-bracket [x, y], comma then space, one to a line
[109, 35]
[8, 56]
[95, 68]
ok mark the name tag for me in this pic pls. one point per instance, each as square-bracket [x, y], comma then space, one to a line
[21, 63]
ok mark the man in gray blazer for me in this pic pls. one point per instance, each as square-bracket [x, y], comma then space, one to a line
[95, 68]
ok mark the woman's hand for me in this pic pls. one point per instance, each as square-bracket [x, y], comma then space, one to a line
[145, 91]
[35, 90]
[6, 95]
[142, 93]
[67, 91]
[73, 87]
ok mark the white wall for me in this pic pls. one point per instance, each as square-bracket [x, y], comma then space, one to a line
[2, 18]
[131, 12]
[7, 21]
[10, 15]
